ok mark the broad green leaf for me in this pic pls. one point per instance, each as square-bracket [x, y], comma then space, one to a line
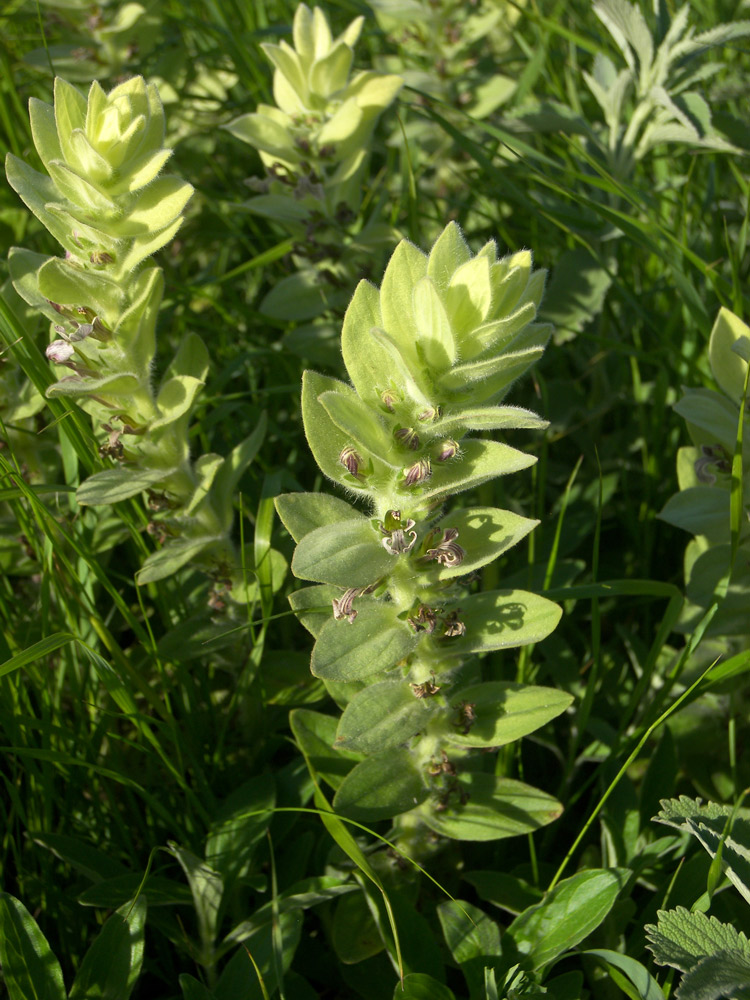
[476, 463]
[329, 72]
[326, 440]
[380, 787]
[568, 914]
[158, 891]
[727, 365]
[112, 965]
[469, 297]
[114, 485]
[60, 281]
[173, 556]
[495, 808]
[502, 619]
[382, 716]
[645, 985]
[374, 642]
[298, 296]
[347, 554]
[115, 386]
[468, 931]
[193, 989]
[30, 970]
[484, 533]
[713, 417]
[239, 823]
[315, 734]
[239, 980]
[207, 888]
[175, 399]
[506, 711]
[717, 977]
[354, 933]
[302, 513]
[321, 597]
[701, 510]
[421, 986]
[361, 424]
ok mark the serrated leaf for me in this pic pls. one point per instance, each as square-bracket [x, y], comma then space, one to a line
[683, 938]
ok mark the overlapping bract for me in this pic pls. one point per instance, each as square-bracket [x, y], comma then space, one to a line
[705, 476]
[320, 128]
[431, 355]
[106, 204]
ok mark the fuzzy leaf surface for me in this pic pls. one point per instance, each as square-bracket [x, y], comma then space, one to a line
[506, 711]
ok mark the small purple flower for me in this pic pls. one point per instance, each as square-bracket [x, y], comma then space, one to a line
[417, 473]
[399, 536]
[352, 461]
[448, 450]
[447, 552]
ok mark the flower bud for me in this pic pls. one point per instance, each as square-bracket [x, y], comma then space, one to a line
[390, 398]
[431, 413]
[59, 351]
[408, 437]
[448, 450]
[352, 461]
[417, 473]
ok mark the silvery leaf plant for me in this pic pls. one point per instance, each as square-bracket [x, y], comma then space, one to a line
[655, 98]
[105, 200]
[431, 355]
[705, 475]
[315, 144]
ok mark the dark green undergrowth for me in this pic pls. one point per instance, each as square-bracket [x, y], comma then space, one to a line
[170, 762]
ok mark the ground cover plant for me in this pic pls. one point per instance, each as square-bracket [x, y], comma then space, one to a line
[374, 508]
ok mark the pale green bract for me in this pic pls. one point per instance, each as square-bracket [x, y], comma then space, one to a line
[315, 144]
[107, 203]
[431, 355]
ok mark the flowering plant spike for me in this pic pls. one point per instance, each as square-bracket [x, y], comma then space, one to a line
[314, 144]
[107, 203]
[705, 477]
[430, 356]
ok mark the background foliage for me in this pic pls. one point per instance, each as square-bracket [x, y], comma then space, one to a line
[147, 747]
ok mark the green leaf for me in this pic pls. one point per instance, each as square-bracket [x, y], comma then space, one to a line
[506, 711]
[380, 787]
[495, 808]
[435, 341]
[476, 463]
[112, 965]
[114, 485]
[317, 597]
[374, 642]
[484, 533]
[713, 824]
[421, 986]
[354, 933]
[468, 931]
[192, 989]
[501, 619]
[361, 425]
[405, 268]
[207, 888]
[348, 554]
[487, 418]
[30, 970]
[297, 297]
[683, 938]
[382, 716]
[645, 985]
[448, 253]
[701, 510]
[173, 556]
[717, 977]
[568, 914]
[302, 513]
[326, 440]
[727, 365]
[36, 652]
[239, 824]
[315, 734]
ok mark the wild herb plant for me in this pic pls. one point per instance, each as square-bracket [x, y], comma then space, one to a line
[655, 99]
[106, 204]
[714, 499]
[315, 145]
[431, 355]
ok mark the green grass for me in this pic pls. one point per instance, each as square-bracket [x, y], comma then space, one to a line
[132, 719]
